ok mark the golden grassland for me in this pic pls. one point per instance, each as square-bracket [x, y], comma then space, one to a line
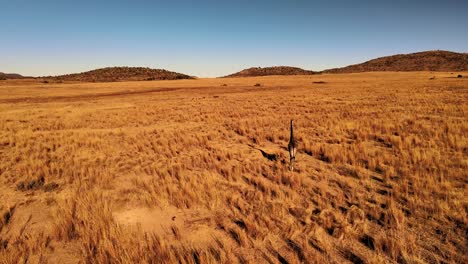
[171, 171]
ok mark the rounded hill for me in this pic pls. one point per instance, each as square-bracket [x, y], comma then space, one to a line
[437, 60]
[112, 74]
[276, 70]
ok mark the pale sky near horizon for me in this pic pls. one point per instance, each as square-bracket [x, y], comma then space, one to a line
[216, 38]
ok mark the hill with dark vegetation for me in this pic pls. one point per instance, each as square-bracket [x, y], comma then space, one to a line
[438, 60]
[277, 70]
[113, 74]
[5, 76]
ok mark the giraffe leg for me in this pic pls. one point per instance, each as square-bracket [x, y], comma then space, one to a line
[291, 165]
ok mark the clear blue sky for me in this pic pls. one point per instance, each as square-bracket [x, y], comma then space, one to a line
[214, 38]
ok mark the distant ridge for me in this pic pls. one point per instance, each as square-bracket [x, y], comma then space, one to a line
[5, 76]
[437, 60]
[113, 74]
[276, 70]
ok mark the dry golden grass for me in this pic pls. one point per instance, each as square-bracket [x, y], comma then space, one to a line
[170, 171]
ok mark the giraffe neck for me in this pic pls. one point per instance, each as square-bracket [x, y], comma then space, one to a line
[292, 134]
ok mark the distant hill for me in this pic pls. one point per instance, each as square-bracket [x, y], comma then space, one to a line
[113, 74]
[4, 76]
[438, 60]
[277, 70]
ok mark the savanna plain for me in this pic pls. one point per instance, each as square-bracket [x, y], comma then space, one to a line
[196, 171]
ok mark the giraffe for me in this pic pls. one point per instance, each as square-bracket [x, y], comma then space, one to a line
[292, 148]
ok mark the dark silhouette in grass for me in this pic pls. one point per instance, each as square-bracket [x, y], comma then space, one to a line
[292, 148]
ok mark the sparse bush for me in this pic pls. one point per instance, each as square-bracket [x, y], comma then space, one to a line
[51, 186]
[6, 217]
[31, 185]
